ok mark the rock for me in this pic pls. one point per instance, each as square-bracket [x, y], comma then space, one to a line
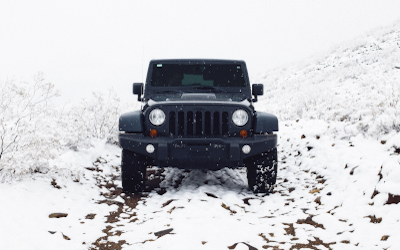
[167, 203]
[316, 190]
[228, 208]
[57, 215]
[66, 237]
[163, 232]
[393, 199]
[211, 195]
[90, 216]
[242, 245]
[376, 192]
[374, 219]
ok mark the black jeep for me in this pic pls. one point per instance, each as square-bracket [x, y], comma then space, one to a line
[198, 114]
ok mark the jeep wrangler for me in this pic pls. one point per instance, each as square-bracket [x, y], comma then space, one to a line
[198, 114]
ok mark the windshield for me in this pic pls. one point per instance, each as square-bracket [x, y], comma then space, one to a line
[181, 75]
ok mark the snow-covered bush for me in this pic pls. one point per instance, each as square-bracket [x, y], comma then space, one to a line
[35, 131]
[27, 136]
[96, 117]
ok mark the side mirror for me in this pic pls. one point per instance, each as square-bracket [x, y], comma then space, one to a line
[138, 90]
[256, 90]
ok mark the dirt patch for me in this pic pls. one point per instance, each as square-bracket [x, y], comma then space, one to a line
[54, 184]
[290, 230]
[228, 208]
[312, 244]
[309, 221]
[380, 174]
[172, 209]
[374, 219]
[102, 243]
[130, 200]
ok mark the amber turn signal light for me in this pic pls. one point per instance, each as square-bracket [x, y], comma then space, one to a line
[243, 133]
[153, 133]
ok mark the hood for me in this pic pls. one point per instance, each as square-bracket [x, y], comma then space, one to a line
[199, 97]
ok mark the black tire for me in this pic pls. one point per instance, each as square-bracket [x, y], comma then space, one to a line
[133, 172]
[262, 170]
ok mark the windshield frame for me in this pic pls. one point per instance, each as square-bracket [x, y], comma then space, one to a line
[243, 91]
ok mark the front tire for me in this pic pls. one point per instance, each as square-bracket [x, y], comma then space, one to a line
[262, 170]
[133, 172]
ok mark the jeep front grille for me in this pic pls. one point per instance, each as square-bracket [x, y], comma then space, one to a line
[198, 123]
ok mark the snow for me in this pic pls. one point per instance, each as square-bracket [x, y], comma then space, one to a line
[338, 165]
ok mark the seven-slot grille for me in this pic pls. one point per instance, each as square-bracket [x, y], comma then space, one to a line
[198, 122]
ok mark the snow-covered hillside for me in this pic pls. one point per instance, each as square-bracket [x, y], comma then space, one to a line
[357, 83]
[337, 186]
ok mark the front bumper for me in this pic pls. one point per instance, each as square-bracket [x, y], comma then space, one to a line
[197, 153]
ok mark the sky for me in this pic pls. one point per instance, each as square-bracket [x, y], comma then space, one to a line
[86, 46]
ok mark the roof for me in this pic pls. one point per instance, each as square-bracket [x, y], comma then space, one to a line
[195, 61]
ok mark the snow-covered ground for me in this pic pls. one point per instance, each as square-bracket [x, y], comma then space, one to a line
[338, 178]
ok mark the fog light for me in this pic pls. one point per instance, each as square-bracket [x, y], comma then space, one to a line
[246, 149]
[150, 148]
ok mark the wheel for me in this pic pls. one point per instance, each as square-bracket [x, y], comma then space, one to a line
[262, 170]
[133, 168]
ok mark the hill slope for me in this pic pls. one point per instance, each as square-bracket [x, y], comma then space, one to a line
[357, 82]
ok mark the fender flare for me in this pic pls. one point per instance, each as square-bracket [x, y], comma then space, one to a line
[265, 123]
[131, 122]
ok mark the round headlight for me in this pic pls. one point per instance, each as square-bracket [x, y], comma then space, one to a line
[240, 117]
[157, 117]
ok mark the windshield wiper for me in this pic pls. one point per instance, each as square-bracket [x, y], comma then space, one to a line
[214, 89]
